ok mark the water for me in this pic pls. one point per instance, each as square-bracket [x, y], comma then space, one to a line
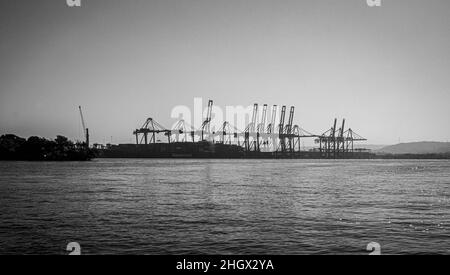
[225, 207]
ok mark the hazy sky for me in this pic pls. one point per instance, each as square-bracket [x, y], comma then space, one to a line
[386, 70]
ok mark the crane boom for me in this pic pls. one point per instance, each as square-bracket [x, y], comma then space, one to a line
[210, 105]
[291, 120]
[262, 125]
[333, 134]
[85, 129]
[207, 123]
[82, 120]
[254, 118]
[271, 127]
[342, 128]
[282, 119]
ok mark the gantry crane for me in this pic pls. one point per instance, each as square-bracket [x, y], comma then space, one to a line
[151, 127]
[338, 143]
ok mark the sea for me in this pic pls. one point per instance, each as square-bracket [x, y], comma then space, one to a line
[208, 207]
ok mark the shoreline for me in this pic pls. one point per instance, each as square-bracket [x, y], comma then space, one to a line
[242, 158]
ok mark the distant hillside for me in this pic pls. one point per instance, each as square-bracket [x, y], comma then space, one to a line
[417, 148]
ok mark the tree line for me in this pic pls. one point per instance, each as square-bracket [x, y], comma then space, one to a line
[35, 148]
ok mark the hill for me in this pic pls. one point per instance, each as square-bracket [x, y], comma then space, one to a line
[417, 148]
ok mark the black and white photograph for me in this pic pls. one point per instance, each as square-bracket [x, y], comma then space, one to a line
[226, 134]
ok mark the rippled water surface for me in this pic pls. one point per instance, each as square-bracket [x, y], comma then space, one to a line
[225, 207]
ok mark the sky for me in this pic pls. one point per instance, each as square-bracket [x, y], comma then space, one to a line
[385, 69]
